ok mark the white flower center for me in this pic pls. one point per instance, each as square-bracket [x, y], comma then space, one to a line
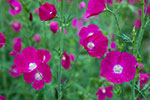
[90, 34]
[50, 12]
[38, 76]
[118, 69]
[90, 45]
[16, 8]
[64, 58]
[103, 90]
[32, 66]
[44, 57]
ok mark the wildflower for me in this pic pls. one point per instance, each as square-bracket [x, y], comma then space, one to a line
[16, 46]
[118, 67]
[143, 79]
[37, 38]
[82, 5]
[113, 45]
[16, 7]
[16, 26]
[95, 7]
[39, 77]
[105, 92]
[2, 98]
[137, 23]
[96, 45]
[72, 56]
[2, 40]
[85, 32]
[13, 72]
[47, 12]
[36, 11]
[53, 27]
[31, 59]
[65, 61]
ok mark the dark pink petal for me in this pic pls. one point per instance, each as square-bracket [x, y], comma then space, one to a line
[43, 56]
[29, 77]
[17, 44]
[17, 7]
[72, 57]
[12, 53]
[37, 38]
[95, 7]
[16, 26]
[47, 12]
[29, 53]
[113, 45]
[2, 98]
[74, 22]
[2, 40]
[38, 84]
[65, 61]
[53, 27]
[13, 72]
[45, 71]
[21, 63]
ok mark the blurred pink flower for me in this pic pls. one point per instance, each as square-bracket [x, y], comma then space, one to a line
[54, 26]
[16, 7]
[113, 45]
[13, 72]
[16, 25]
[132, 2]
[65, 31]
[95, 7]
[82, 5]
[118, 67]
[47, 12]
[110, 2]
[2, 98]
[137, 23]
[118, 1]
[16, 46]
[144, 79]
[37, 38]
[2, 40]
[40, 77]
[105, 92]
[36, 11]
[65, 61]
[72, 57]
[31, 59]
[74, 22]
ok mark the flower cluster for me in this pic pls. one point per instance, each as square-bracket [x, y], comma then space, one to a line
[33, 65]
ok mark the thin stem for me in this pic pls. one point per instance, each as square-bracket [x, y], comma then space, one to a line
[115, 19]
[133, 89]
[61, 50]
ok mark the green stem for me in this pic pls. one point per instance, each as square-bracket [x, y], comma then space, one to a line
[141, 32]
[133, 89]
[116, 19]
[61, 50]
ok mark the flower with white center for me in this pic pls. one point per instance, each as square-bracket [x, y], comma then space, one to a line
[32, 66]
[90, 45]
[118, 69]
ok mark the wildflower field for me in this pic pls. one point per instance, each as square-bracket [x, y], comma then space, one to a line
[74, 49]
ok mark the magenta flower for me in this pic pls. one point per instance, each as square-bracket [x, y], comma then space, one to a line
[110, 2]
[54, 26]
[16, 7]
[16, 46]
[95, 7]
[112, 37]
[72, 57]
[137, 24]
[47, 12]
[132, 2]
[74, 22]
[86, 32]
[82, 5]
[113, 45]
[2, 98]
[31, 59]
[36, 11]
[2, 40]
[13, 72]
[65, 31]
[16, 26]
[65, 61]
[37, 38]
[118, 1]
[38, 78]
[118, 67]
[148, 10]
[30, 17]
[96, 45]
[105, 92]
[143, 79]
